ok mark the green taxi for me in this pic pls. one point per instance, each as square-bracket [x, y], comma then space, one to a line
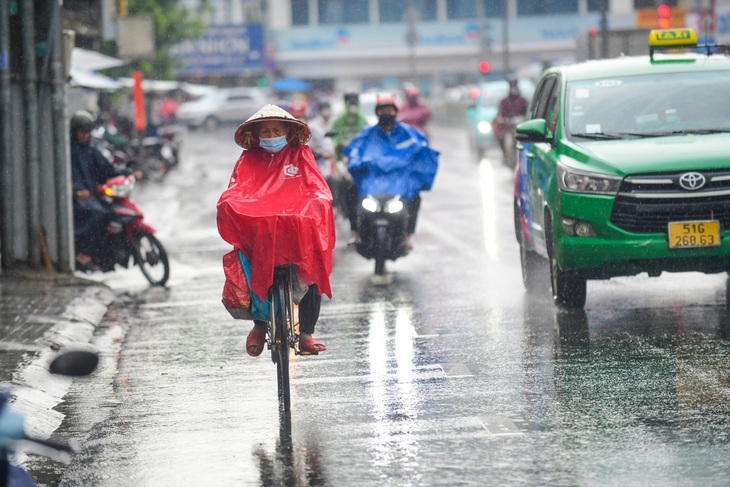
[624, 167]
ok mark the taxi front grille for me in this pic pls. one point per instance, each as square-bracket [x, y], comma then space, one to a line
[647, 204]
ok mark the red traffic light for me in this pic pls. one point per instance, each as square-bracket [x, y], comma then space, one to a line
[484, 67]
[663, 11]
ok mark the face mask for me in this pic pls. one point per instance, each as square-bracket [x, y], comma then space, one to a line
[274, 144]
[386, 119]
[353, 109]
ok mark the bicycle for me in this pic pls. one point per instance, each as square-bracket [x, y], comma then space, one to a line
[282, 333]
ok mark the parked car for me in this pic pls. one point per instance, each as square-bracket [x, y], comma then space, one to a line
[624, 168]
[224, 106]
[483, 111]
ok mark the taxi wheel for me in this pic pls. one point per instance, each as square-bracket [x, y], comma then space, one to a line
[569, 288]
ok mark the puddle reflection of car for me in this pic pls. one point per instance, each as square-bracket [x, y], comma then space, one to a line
[480, 115]
[225, 106]
[624, 168]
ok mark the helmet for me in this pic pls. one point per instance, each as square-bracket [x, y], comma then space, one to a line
[352, 98]
[82, 120]
[384, 101]
[298, 109]
[412, 91]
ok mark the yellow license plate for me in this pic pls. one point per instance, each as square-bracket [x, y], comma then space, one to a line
[689, 235]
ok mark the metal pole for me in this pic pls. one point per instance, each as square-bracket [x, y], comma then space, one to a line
[6, 173]
[32, 159]
[604, 29]
[61, 165]
[505, 37]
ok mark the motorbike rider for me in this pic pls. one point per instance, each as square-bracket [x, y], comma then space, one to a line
[322, 145]
[345, 127]
[513, 105]
[414, 112]
[277, 210]
[392, 157]
[89, 169]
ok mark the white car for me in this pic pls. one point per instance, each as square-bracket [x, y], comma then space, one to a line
[224, 106]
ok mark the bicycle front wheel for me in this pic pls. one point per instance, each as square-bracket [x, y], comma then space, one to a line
[281, 344]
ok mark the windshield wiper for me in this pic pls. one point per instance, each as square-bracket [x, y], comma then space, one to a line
[702, 131]
[641, 134]
[598, 136]
[688, 132]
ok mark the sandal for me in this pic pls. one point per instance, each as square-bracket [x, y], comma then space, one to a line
[310, 346]
[255, 342]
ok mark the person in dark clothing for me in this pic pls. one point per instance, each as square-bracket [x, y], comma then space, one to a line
[89, 169]
[513, 105]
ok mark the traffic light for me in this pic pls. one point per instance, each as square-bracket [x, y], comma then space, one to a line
[484, 67]
[664, 11]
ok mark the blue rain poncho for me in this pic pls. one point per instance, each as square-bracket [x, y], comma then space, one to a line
[397, 163]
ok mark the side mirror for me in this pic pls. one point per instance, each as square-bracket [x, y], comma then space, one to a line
[533, 131]
[77, 363]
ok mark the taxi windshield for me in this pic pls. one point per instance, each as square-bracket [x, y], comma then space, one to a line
[648, 106]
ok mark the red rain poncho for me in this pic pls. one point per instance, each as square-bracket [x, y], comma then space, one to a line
[278, 210]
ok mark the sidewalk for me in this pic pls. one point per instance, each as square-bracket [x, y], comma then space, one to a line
[41, 312]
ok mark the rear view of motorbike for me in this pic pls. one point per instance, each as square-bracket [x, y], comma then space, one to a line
[382, 224]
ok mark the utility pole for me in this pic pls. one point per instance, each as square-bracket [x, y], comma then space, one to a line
[412, 37]
[505, 37]
[604, 29]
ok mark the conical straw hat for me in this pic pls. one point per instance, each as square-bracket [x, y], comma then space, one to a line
[246, 137]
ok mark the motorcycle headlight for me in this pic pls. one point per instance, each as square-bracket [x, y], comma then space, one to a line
[394, 206]
[166, 152]
[371, 204]
[484, 127]
[574, 181]
[121, 190]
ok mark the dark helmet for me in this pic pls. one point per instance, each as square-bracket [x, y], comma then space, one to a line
[352, 98]
[384, 101]
[82, 120]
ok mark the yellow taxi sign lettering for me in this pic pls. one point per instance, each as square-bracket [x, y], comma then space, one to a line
[672, 38]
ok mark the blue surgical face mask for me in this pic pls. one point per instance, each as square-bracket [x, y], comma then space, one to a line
[274, 144]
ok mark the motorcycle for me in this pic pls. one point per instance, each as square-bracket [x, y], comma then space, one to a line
[12, 432]
[128, 236]
[509, 157]
[382, 224]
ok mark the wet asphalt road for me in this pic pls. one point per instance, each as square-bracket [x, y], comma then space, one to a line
[446, 373]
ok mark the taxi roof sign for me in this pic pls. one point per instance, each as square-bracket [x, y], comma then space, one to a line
[671, 39]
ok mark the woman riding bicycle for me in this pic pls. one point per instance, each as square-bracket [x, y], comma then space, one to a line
[277, 210]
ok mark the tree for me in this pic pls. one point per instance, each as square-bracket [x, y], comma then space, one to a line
[173, 24]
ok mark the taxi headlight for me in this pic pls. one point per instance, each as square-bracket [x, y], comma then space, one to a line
[484, 127]
[574, 181]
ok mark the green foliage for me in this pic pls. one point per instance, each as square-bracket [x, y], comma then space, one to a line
[173, 24]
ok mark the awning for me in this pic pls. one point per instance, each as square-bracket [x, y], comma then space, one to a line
[90, 79]
[290, 84]
[92, 60]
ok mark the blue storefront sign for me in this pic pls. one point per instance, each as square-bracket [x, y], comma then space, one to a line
[222, 49]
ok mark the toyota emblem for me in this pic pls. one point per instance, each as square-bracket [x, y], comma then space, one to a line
[691, 180]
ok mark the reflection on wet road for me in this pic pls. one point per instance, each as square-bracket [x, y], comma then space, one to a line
[447, 373]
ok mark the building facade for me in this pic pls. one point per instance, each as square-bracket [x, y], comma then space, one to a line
[350, 43]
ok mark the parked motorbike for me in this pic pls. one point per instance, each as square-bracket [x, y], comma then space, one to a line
[382, 225]
[128, 236]
[12, 432]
